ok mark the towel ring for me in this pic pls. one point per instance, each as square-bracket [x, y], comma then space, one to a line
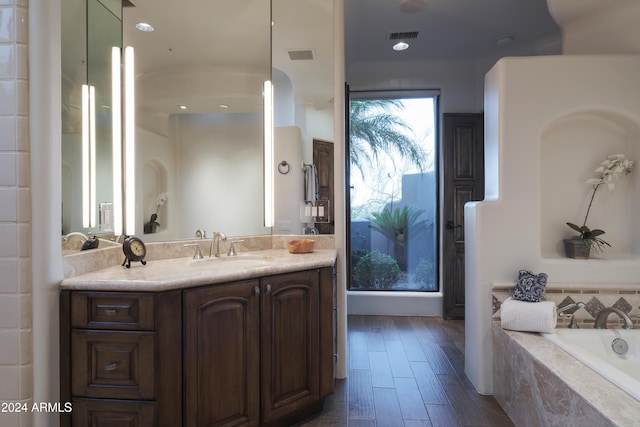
[284, 167]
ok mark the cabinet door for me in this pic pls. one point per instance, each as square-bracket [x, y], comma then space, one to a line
[221, 355]
[290, 335]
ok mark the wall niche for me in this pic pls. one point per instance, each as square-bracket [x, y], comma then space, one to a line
[572, 147]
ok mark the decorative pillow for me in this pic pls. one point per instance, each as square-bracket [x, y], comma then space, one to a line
[530, 287]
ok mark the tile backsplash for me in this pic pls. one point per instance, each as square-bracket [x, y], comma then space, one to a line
[626, 297]
[97, 259]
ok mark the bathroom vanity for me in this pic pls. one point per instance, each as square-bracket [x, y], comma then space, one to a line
[241, 343]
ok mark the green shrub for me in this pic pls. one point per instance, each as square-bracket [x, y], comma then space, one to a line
[425, 274]
[376, 270]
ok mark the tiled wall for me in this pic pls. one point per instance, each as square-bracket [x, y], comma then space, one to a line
[16, 377]
[594, 296]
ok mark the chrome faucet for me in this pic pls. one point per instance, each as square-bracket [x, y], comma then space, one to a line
[576, 306]
[601, 318]
[215, 241]
[83, 237]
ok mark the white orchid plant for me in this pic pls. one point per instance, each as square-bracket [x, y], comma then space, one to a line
[608, 173]
[160, 199]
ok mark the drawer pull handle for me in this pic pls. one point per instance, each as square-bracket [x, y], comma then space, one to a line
[110, 312]
[111, 367]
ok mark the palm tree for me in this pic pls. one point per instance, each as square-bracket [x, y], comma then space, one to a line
[373, 130]
[395, 226]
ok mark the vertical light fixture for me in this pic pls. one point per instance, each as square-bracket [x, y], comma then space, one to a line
[268, 155]
[88, 156]
[129, 143]
[92, 156]
[86, 164]
[116, 123]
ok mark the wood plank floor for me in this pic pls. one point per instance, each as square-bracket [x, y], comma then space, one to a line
[407, 371]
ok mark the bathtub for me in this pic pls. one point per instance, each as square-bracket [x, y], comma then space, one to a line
[594, 348]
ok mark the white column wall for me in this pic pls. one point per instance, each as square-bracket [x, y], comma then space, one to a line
[523, 98]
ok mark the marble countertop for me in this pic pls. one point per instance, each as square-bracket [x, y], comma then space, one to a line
[177, 273]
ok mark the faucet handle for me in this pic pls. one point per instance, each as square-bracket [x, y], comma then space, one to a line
[201, 234]
[232, 248]
[197, 254]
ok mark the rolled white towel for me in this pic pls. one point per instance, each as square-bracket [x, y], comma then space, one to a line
[528, 316]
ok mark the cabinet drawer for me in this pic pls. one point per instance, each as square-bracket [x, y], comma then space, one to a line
[110, 413]
[112, 310]
[118, 365]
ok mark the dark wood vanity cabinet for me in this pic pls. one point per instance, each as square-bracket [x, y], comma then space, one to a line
[246, 353]
[120, 358]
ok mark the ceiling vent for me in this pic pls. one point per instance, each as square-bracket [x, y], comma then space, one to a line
[403, 35]
[300, 54]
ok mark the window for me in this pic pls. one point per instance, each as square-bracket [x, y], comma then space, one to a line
[393, 191]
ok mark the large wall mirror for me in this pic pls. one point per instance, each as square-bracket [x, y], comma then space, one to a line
[90, 29]
[199, 110]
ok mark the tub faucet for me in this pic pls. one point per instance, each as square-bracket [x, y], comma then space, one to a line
[215, 242]
[576, 306]
[601, 318]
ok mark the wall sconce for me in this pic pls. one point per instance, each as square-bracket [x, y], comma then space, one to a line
[88, 156]
[129, 143]
[268, 155]
[116, 123]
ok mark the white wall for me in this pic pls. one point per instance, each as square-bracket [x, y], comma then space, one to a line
[31, 256]
[597, 26]
[535, 113]
[289, 186]
[219, 173]
[458, 81]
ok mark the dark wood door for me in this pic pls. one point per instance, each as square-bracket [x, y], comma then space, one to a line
[463, 171]
[290, 341]
[222, 355]
[323, 159]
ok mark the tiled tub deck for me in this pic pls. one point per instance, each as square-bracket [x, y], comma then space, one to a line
[538, 384]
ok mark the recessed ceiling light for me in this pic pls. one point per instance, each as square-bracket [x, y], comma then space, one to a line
[223, 106]
[401, 46]
[182, 107]
[144, 27]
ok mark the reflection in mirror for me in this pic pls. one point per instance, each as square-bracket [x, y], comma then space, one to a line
[199, 79]
[302, 57]
[199, 108]
[199, 118]
[90, 28]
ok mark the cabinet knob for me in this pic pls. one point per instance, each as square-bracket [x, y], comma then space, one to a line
[257, 291]
[268, 289]
[111, 367]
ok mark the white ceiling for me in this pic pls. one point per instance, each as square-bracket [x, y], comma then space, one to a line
[448, 29]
